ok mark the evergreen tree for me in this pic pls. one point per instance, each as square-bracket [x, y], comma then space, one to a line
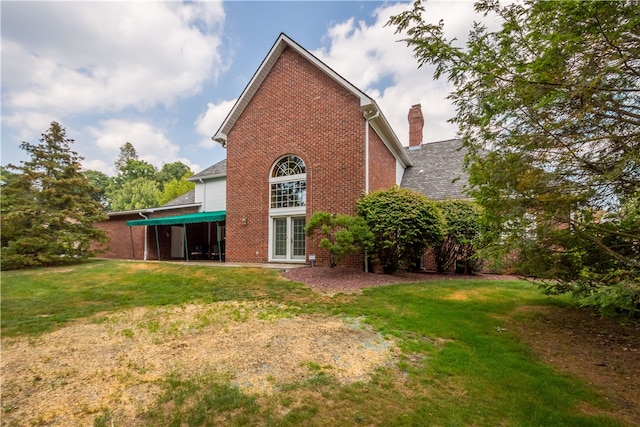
[48, 213]
[463, 231]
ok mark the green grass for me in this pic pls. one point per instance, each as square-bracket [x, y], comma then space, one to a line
[39, 300]
[481, 370]
[459, 364]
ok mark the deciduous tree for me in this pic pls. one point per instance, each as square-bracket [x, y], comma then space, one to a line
[554, 94]
[175, 188]
[139, 193]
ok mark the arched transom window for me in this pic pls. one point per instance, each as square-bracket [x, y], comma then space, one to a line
[288, 183]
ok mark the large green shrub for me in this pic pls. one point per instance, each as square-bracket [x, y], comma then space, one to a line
[404, 223]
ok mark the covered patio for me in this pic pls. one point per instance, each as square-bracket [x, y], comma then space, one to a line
[199, 235]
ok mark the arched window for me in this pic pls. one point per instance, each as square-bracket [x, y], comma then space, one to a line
[288, 191]
[288, 183]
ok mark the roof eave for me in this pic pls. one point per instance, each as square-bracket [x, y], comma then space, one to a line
[152, 210]
[260, 75]
[379, 122]
[201, 178]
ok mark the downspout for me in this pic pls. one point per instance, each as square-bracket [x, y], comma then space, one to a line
[146, 249]
[366, 150]
[366, 170]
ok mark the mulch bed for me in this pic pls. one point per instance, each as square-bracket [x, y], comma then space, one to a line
[349, 280]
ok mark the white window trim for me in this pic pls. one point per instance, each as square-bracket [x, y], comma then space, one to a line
[292, 213]
[288, 213]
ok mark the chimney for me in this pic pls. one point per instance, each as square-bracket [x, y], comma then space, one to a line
[416, 123]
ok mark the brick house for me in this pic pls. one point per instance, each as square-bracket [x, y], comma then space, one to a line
[300, 139]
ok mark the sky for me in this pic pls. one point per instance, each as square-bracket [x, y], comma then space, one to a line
[164, 75]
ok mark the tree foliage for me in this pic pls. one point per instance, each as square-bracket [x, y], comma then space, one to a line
[127, 152]
[139, 185]
[553, 93]
[47, 207]
[172, 171]
[175, 188]
[342, 235]
[462, 235]
[100, 182]
[404, 223]
[137, 193]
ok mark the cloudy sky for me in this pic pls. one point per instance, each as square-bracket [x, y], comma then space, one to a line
[163, 75]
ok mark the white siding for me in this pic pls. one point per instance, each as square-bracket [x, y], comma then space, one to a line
[212, 194]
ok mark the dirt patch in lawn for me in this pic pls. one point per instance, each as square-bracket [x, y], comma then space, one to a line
[117, 361]
[603, 352]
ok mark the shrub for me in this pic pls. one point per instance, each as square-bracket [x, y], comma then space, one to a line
[404, 223]
[342, 234]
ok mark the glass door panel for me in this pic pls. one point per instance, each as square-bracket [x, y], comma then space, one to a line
[280, 238]
[298, 247]
[288, 238]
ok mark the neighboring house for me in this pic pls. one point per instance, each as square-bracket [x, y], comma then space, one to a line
[300, 139]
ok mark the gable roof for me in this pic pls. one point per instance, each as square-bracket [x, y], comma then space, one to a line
[215, 171]
[369, 107]
[437, 170]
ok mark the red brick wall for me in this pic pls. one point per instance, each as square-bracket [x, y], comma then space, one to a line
[416, 125]
[121, 247]
[382, 164]
[297, 110]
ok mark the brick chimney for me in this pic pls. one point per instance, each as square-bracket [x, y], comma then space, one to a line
[416, 123]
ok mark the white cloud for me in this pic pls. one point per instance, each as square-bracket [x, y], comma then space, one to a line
[92, 57]
[98, 165]
[209, 122]
[373, 58]
[150, 143]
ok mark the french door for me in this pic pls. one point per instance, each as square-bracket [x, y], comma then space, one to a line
[288, 238]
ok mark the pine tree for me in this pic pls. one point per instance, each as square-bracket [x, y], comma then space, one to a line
[48, 213]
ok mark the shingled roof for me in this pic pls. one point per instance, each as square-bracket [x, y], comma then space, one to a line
[188, 198]
[437, 170]
[217, 170]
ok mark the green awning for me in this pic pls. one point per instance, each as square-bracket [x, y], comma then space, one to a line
[192, 218]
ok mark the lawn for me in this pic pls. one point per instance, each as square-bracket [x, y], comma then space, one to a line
[133, 343]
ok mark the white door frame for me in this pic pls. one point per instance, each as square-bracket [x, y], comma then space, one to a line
[289, 230]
